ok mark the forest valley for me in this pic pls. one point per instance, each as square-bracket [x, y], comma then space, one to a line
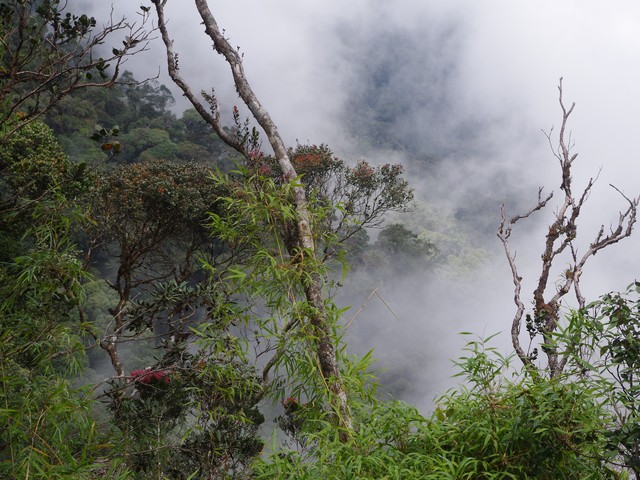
[168, 291]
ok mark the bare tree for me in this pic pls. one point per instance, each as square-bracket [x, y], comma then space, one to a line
[304, 235]
[560, 239]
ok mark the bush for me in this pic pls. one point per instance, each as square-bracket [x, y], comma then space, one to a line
[528, 428]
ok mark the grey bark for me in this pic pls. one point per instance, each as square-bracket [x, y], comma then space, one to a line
[561, 237]
[326, 350]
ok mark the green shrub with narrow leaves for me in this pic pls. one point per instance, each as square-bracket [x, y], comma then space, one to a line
[492, 428]
[604, 342]
[46, 428]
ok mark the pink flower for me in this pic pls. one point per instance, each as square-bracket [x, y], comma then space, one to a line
[265, 170]
[256, 155]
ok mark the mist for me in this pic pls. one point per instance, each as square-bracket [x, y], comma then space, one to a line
[459, 92]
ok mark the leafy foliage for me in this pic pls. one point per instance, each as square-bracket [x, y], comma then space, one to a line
[154, 201]
[605, 343]
[32, 164]
[192, 414]
[147, 129]
[403, 250]
[530, 428]
[351, 198]
[47, 430]
[257, 217]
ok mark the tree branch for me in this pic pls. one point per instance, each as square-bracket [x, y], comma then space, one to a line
[45, 72]
[312, 281]
[560, 237]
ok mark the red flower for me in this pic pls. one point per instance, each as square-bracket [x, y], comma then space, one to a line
[147, 376]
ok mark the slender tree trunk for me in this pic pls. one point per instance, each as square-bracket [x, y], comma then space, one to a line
[326, 350]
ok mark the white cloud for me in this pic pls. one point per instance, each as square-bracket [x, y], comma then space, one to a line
[493, 64]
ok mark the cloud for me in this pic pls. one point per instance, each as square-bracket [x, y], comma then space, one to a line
[472, 83]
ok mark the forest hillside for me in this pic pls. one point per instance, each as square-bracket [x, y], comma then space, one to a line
[185, 295]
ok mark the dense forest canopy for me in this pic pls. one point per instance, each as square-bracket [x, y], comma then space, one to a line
[171, 287]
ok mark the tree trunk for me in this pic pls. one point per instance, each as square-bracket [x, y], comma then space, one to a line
[326, 350]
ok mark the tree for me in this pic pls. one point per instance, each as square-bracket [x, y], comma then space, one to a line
[406, 251]
[150, 217]
[146, 128]
[186, 400]
[33, 167]
[303, 242]
[325, 203]
[351, 198]
[48, 52]
[322, 204]
[47, 430]
[190, 413]
[560, 239]
[147, 99]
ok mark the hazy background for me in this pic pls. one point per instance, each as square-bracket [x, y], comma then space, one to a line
[459, 92]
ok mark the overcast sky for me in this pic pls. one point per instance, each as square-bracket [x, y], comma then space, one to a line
[476, 80]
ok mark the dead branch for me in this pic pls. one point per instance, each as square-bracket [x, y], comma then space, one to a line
[211, 115]
[559, 238]
[504, 233]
